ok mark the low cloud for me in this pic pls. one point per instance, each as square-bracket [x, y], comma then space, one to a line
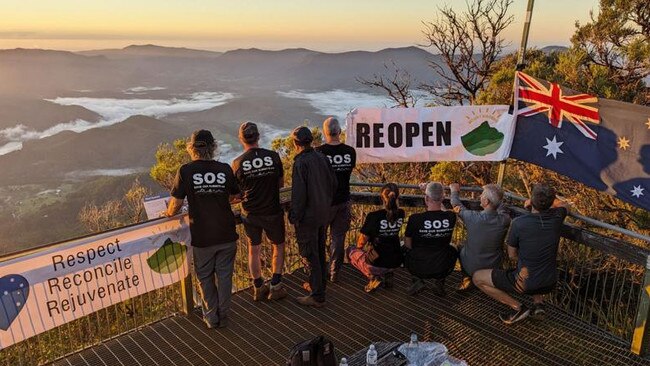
[112, 111]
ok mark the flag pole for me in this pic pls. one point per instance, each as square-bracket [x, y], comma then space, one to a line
[521, 63]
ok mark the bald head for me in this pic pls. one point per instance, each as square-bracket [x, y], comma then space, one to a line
[331, 128]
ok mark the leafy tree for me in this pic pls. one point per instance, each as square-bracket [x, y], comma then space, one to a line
[169, 158]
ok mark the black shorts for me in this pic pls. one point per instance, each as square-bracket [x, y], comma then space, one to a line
[271, 225]
[506, 280]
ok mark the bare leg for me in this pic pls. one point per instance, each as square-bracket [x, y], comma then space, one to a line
[254, 263]
[483, 280]
[278, 258]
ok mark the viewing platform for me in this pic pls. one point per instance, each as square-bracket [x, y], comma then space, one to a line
[261, 333]
[596, 315]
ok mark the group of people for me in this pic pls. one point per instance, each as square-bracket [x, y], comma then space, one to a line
[320, 203]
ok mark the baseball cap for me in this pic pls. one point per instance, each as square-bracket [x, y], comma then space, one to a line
[201, 138]
[248, 131]
[302, 135]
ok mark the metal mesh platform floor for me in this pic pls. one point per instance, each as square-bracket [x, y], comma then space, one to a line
[262, 333]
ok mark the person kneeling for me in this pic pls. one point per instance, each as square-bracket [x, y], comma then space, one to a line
[380, 233]
[428, 238]
[533, 240]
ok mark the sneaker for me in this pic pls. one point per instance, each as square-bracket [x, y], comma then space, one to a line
[309, 301]
[466, 284]
[372, 284]
[515, 315]
[261, 293]
[538, 311]
[389, 280]
[277, 292]
[209, 324]
[439, 287]
[223, 322]
[334, 277]
[416, 287]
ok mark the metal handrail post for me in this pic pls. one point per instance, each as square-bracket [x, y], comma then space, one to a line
[641, 336]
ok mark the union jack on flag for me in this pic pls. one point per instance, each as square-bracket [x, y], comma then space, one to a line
[551, 99]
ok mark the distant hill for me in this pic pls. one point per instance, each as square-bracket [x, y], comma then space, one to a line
[554, 49]
[39, 114]
[149, 50]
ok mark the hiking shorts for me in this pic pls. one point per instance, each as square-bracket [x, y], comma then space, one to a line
[507, 280]
[271, 225]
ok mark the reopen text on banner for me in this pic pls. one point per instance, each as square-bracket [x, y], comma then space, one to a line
[457, 133]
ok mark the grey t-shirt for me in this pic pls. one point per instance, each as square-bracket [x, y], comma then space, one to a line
[537, 235]
[485, 233]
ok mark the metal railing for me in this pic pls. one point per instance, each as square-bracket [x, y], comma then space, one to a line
[600, 282]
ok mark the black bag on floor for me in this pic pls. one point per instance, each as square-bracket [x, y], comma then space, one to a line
[315, 352]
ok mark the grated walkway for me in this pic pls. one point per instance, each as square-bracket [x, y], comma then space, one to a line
[262, 333]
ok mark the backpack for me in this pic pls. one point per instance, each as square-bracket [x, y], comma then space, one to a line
[314, 352]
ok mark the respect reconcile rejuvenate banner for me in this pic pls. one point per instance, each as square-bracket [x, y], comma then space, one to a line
[48, 288]
[458, 133]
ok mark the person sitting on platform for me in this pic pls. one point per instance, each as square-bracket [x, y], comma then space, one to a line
[485, 229]
[533, 241]
[380, 235]
[428, 238]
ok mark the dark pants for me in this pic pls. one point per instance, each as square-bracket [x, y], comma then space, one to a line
[311, 244]
[339, 224]
[210, 263]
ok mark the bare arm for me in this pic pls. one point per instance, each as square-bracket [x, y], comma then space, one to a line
[234, 198]
[513, 252]
[174, 207]
[408, 242]
[362, 240]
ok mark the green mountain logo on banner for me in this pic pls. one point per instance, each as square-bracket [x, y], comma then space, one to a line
[168, 258]
[482, 140]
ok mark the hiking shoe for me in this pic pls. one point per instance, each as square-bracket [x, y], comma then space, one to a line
[416, 287]
[538, 311]
[515, 315]
[439, 287]
[277, 292]
[372, 284]
[306, 286]
[223, 322]
[466, 284]
[261, 293]
[389, 280]
[309, 301]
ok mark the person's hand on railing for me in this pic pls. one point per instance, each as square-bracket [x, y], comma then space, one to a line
[423, 186]
[454, 187]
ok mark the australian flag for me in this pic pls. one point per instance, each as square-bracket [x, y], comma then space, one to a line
[602, 143]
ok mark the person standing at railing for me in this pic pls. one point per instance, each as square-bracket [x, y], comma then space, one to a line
[312, 191]
[343, 159]
[260, 176]
[210, 187]
[485, 229]
[378, 250]
[533, 241]
[428, 238]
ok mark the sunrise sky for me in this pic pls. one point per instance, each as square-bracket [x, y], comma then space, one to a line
[333, 25]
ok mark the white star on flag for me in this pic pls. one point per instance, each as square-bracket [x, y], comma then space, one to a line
[553, 147]
[637, 191]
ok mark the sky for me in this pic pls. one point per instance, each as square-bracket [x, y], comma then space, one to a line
[326, 25]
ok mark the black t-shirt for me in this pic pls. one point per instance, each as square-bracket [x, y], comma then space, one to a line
[384, 236]
[208, 184]
[431, 229]
[537, 237]
[258, 172]
[343, 159]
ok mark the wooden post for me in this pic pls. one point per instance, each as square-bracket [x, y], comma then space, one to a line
[187, 294]
[641, 337]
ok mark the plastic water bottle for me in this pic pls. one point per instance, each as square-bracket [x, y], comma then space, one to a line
[413, 343]
[371, 356]
[344, 362]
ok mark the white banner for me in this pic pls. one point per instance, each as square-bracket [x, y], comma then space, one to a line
[51, 287]
[458, 133]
